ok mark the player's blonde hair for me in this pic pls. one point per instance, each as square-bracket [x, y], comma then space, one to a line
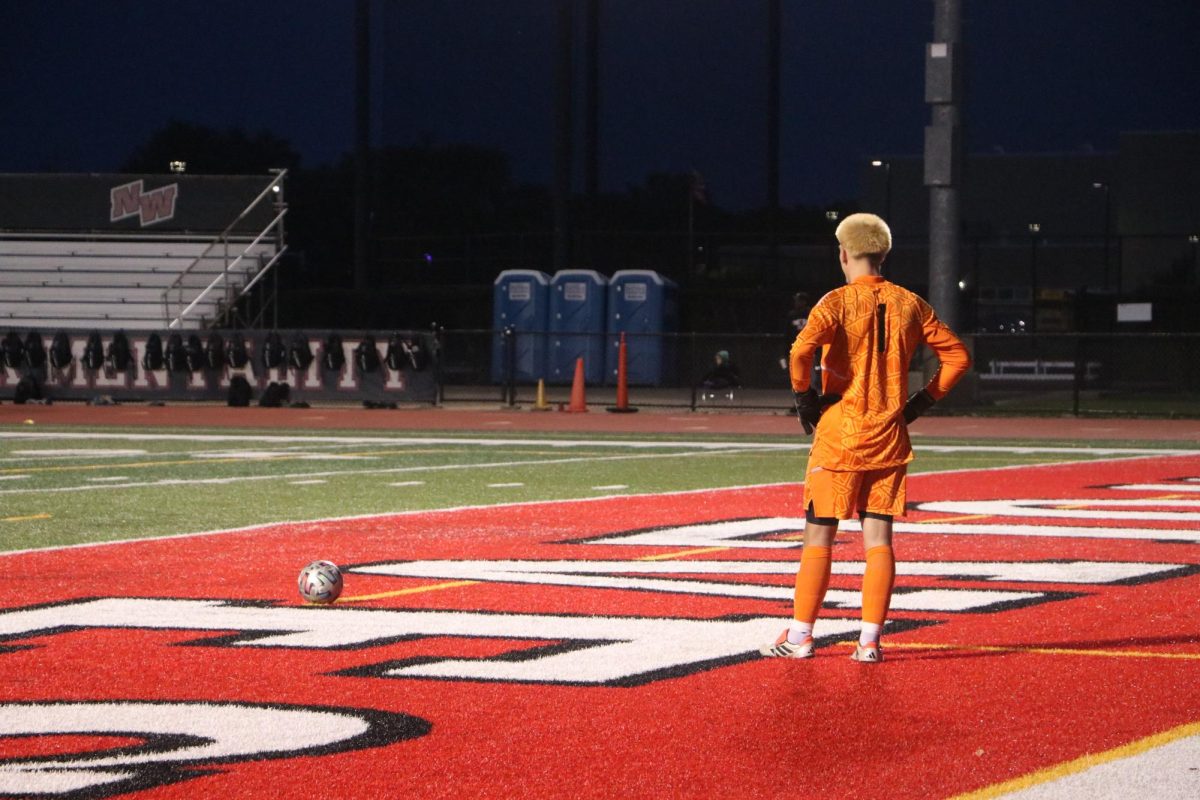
[865, 235]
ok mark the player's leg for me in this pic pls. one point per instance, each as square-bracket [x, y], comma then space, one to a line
[825, 494]
[883, 496]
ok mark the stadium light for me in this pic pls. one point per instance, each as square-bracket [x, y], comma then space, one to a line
[831, 216]
[886, 166]
[177, 166]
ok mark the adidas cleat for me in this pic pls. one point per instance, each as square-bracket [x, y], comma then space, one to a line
[868, 654]
[782, 648]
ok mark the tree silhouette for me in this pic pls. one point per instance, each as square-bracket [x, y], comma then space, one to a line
[211, 152]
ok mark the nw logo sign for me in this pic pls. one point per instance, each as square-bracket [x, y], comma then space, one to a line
[150, 207]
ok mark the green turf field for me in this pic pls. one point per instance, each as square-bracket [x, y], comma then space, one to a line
[73, 485]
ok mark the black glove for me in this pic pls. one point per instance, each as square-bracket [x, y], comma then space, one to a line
[917, 405]
[808, 409]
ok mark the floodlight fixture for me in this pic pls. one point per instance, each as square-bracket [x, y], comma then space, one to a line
[177, 166]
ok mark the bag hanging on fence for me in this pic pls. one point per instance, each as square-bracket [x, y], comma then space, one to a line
[14, 351]
[120, 356]
[153, 358]
[214, 351]
[273, 351]
[60, 351]
[176, 355]
[35, 351]
[334, 355]
[236, 353]
[194, 354]
[300, 353]
[366, 355]
[93, 351]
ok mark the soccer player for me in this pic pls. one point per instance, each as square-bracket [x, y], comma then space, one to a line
[870, 329]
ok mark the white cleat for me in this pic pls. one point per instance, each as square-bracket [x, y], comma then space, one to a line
[868, 654]
[782, 648]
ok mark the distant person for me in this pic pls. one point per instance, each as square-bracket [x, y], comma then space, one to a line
[797, 316]
[723, 374]
[870, 329]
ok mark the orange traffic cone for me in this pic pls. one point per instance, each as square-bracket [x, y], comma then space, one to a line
[578, 400]
[622, 406]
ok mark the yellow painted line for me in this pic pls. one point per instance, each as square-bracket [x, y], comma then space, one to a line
[1159, 497]
[682, 554]
[1082, 763]
[28, 518]
[959, 518]
[1052, 651]
[413, 590]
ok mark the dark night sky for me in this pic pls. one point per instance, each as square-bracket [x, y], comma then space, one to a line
[683, 81]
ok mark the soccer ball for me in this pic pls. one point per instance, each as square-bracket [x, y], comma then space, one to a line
[320, 582]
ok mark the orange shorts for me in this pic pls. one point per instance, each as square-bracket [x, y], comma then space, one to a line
[840, 495]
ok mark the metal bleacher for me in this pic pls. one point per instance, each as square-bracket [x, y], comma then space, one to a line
[118, 282]
[60, 267]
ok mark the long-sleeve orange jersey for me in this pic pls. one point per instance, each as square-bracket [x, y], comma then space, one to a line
[870, 329]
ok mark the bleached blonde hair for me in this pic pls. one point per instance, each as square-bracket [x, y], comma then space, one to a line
[865, 235]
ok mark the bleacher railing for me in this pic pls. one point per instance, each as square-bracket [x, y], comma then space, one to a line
[174, 296]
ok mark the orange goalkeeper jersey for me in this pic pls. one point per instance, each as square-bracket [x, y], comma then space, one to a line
[870, 329]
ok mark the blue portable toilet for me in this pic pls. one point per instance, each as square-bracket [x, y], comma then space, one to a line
[521, 300]
[642, 304]
[578, 298]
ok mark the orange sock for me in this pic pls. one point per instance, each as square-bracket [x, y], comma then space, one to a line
[878, 578]
[811, 582]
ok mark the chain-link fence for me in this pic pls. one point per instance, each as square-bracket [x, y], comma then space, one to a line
[1081, 374]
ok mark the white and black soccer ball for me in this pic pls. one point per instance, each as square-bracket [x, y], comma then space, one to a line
[320, 582]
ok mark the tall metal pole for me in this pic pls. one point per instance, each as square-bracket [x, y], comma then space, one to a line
[943, 93]
[774, 35]
[362, 141]
[562, 138]
[591, 123]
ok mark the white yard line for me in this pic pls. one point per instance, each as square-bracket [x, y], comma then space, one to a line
[636, 444]
[592, 499]
[380, 471]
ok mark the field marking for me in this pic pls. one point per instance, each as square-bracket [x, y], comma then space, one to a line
[433, 587]
[1047, 651]
[13, 477]
[567, 443]
[682, 554]
[407, 483]
[610, 487]
[957, 518]
[27, 518]
[513, 485]
[377, 471]
[589, 499]
[1082, 763]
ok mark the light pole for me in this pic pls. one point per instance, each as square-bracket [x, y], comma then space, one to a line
[886, 166]
[1034, 229]
[1102, 186]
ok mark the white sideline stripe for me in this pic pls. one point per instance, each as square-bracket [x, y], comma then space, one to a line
[306, 483]
[518, 504]
[13, 477]
[564, 443]
[380, 471]
[383, 514]
[504, 485]
[407, 483]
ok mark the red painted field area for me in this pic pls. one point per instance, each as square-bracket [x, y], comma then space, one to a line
[608, 648]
